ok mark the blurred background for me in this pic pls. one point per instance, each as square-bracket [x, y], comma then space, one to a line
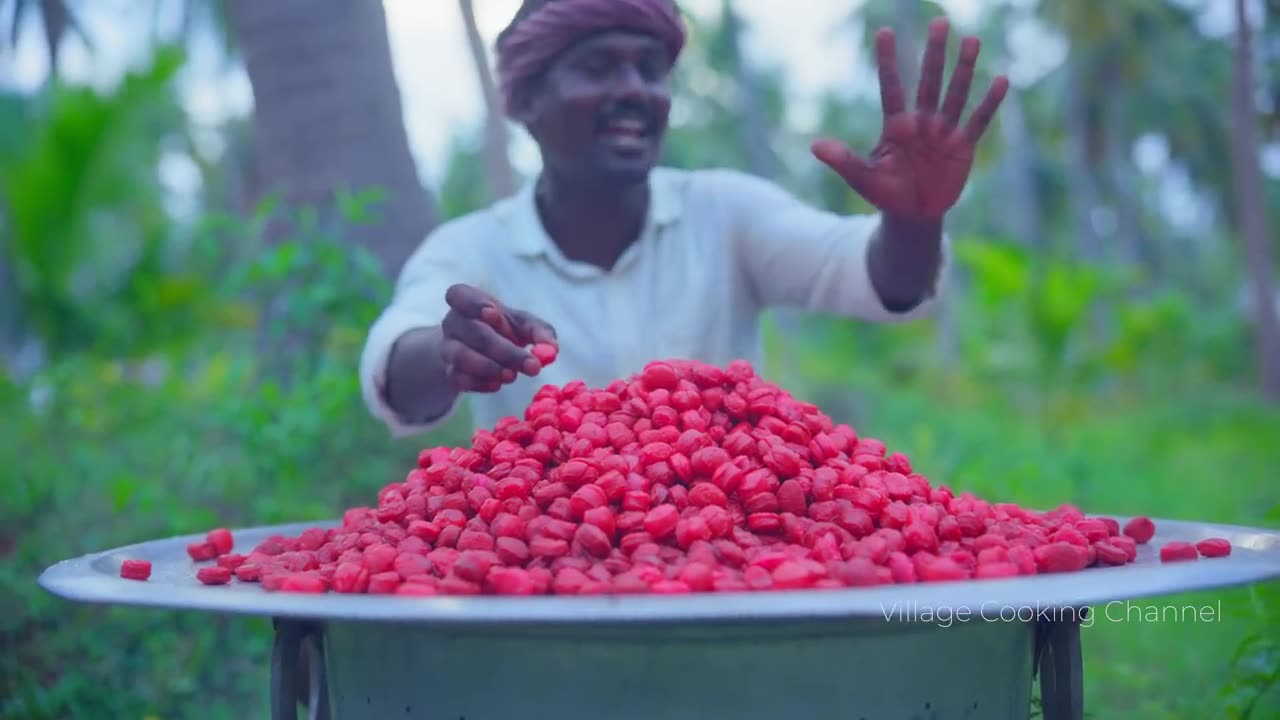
[205, 203]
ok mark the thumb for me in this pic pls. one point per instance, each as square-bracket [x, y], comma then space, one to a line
[853, 169]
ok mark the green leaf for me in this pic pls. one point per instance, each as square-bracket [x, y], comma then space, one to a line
[123, 488]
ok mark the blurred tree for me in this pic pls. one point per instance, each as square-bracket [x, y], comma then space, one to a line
[1251, 209]
[14, 121]
[463, 188]
[908, 20]
[1084, 129]
[714, 87]
[1270, 47]
[499, 174]
[1023, 217]
[199, 17]
[56, 21]
[85, 227]
[1127, 74]
[758, 128]
[327, 114]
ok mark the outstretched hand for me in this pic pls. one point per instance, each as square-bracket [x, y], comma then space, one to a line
[923, 159]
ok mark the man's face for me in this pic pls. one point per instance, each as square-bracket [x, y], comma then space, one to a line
[600, 111]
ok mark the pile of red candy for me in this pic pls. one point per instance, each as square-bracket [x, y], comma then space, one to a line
[683, 478]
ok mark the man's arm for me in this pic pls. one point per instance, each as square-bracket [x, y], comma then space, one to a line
[904, 259]
[791, 254]
[417, 386]
[402, 374]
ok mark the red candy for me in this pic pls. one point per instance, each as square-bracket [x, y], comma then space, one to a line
[417, 589]
[1178, 551]
[221, 540]
[1214, 547]
[231, 561]
[304, 583]
[135, 569]
[1110, 553]
[1141, 529]
[202, 551]
[545, 353]
[683, 478]
[213, 575]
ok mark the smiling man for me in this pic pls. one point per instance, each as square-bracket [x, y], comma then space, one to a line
[619, 261]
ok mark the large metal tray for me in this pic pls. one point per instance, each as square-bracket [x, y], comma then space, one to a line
[94, 578]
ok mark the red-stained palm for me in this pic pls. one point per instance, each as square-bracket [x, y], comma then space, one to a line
[922, 161]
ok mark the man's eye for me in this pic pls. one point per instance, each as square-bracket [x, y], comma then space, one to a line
[594, 66]
[652, 69]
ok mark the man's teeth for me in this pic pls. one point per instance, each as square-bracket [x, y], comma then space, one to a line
[633, 127]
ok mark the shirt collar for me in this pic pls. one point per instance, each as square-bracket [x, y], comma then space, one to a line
[530, 237]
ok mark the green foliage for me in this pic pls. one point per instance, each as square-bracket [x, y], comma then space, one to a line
[181, 443]
[87, 231]
[1255, 677]
[464, 188]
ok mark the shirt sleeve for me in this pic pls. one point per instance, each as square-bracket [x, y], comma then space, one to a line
[442, 260]
[792, 254]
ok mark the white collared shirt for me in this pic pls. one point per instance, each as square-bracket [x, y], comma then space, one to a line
[719, 248]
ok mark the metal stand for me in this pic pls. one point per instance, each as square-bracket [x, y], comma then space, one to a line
[1060, 663]
[295, 676]
[298, 670]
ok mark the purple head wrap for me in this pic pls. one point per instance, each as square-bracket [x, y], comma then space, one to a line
[537, 39]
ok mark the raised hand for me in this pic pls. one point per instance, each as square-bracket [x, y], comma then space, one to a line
[923, 158]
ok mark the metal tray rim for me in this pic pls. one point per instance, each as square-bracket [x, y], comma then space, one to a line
[1255, 558]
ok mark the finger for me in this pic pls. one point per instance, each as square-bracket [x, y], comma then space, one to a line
[935, 58]
[892, 98]
[534, 329]
[499, 320]
[468, 300]
[961, 79]
[466, 383]
[504, 352]
[467, 361]
[463, 360]
[853, 169]
[482, 338]
[981, 118]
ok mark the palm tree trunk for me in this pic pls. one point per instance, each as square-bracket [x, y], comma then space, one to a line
[10, 311]
[56, 20]
[1086, 197]
[757, 135]
[1084, 188]
[1251, 211]
[1122, 186]
[328, 116]
[1025, 218]
[502, 179]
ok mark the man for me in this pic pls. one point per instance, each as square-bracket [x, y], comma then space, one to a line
[619, 262]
